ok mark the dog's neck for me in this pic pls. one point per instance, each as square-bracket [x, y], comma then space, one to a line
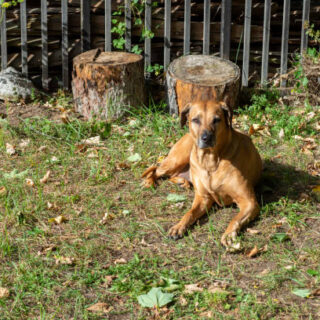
[210, 158]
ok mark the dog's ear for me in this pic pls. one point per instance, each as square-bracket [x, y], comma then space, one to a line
[184, 114]
[228, 113]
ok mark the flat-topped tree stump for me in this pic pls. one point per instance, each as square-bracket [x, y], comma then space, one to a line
[201, 77]
[106, 84]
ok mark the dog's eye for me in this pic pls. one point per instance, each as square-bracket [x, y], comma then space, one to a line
[216, 120]
[196, 120]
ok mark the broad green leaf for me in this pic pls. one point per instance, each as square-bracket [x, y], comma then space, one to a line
[155, 297]
[173, 197]
[280, 237]
[15, 174]
[303, 293]
[134, 158]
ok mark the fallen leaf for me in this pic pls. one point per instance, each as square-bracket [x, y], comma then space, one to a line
[58, 220]
[47, 249]
[29, 182]
[183, 301]
[3, 191]
[24, 143]
[253, 231]
[234, 247]
[281, 133]
[316, 292]
[122, 166]
[173, 197]
[190, 288]
[107, 217]
[64, 117]
[45, 177]
[316, 192]
[10, 149]
[4, 293]
[80, 148]
[92, 141]
[15, 174]
[207, 314]
[93, 154]
[54, 159]
[155, 298]
[42, 148]
[253, 252]
[108, 280]
[309, 116]
[215, 289]
[52, 206]
[100, 307]
[303, 293]
[135, 158]
[120, 261]
[65, 260]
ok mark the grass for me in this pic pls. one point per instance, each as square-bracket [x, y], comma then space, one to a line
[57, 271]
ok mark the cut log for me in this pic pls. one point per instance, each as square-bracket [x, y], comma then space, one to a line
[201, 77]
[106, 84]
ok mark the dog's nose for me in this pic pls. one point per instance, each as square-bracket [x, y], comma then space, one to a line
[206, 136]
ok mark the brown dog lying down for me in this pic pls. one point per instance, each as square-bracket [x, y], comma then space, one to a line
[223, 165]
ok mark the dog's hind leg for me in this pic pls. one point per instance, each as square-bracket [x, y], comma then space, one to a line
[177, 162]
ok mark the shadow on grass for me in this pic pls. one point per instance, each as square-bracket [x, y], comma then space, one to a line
[281, 180]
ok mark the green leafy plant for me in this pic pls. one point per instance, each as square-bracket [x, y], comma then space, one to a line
[155, 298]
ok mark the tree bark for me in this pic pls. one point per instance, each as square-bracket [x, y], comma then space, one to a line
[107, 84]
[201, 77]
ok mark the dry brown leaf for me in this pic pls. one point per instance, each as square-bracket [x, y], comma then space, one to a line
[65, 260]
[45, 177]
[80, 148]
[58, 220]
[264, 272]
[64, 117]
[316, 292]
[100, 307]
[47, 249]
[4, 292]
[122, 166]
[120, 261]
[29, 182]
[216, 289]
[253, 252]
[3, 190]
[24, 143]
[190, 288]
[107, 217]
[91, 141]
[108, 280]
[253, 231]
[207, 314]
[251, 131]
[42, 148]
[52, 206]
[183, 301]
[10, 149]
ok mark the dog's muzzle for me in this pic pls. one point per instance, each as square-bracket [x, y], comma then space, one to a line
[206, 140]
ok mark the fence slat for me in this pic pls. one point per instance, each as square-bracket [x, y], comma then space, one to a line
[186, 29]
[24, 51]
[65, 43]
[246, 43]
[44, 44]
[85, 25]
[147, 40]
[206, 27]
[266, 41]
[305, 18]
[225, 29]
[3, 27]
[127, 10]
[285, 39]
[107, 25]
[167, 33]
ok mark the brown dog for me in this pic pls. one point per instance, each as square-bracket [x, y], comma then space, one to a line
[223, 165]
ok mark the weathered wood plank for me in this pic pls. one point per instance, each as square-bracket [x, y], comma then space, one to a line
[266, 41]
[147, 40]
[44, 44]
[305, 19]
[107, 25]
[186, 29]
[3, 33]
[85, 25]
[24, 51]
[127, 13]
[65, 44]
[225, 29]
[167, 33]
[206, 27]
[284, 40]
[246, 43]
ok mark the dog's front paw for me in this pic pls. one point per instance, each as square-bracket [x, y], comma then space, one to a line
[177, 231]
[229, 240]
[149, 177]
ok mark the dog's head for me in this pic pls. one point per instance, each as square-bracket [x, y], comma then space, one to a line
[209, 122]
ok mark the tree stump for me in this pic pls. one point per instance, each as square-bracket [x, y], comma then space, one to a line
[201, 77]
[106, 84]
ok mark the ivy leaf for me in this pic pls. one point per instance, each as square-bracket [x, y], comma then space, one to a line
[155, 297]
[303, 293]
[173, 197]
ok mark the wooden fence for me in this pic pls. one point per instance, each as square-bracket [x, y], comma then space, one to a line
[225, 32]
